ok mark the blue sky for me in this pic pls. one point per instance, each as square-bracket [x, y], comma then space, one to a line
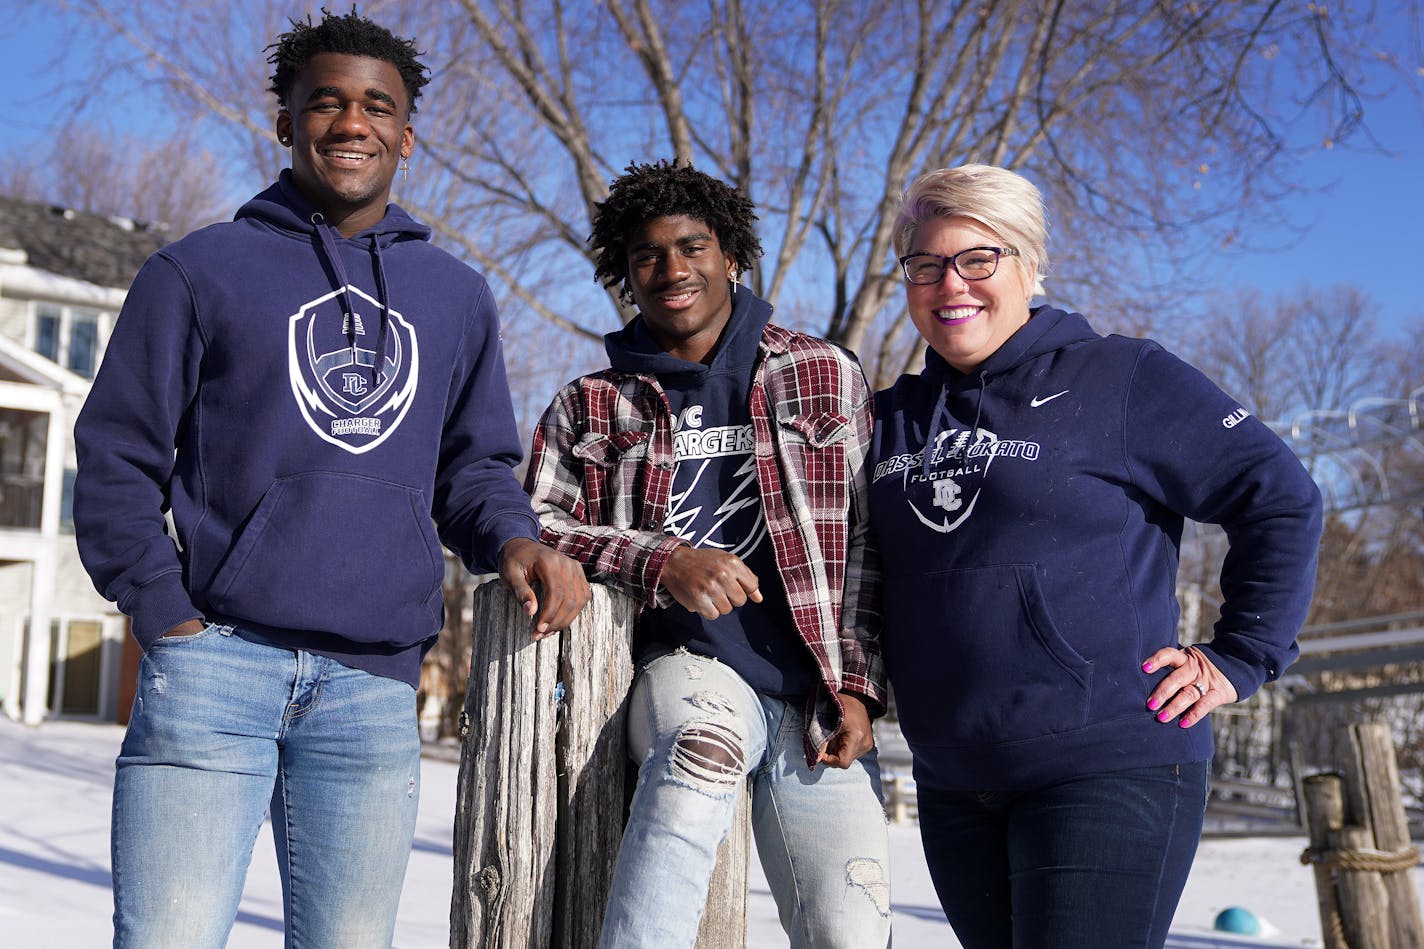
[1361, 209]
[1354, 197]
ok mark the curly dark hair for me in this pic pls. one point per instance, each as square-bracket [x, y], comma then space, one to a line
[665, 188]
[351, 34]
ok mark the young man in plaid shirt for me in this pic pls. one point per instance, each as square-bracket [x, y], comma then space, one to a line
[715, 473]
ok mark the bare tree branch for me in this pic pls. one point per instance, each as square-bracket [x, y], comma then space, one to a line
[1172, 125]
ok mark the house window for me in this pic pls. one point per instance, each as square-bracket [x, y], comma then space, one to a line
[23, 437]
[47, 332]
[71, 336]
[66, 503]
[83, 343]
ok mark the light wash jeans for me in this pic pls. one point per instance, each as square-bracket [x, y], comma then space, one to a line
[225, 725]
[697, 730]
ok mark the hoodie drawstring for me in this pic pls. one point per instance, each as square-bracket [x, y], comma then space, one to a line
[932, 435]
[978, 411]
[383, 317]
[333, 256]
[940, 415]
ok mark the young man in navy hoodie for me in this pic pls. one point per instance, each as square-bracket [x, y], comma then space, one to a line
[715, 473]
[318, 396]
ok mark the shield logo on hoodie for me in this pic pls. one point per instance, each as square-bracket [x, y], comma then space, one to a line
[952, 459]
[353, 372]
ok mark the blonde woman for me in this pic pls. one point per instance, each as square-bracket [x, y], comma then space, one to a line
[1028, 493]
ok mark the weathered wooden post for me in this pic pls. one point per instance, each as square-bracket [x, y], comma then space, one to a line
[895, 801]
[724, 920]
[1324, 796]
[1372, 792]
[539, 809]
[506, 801]
[1359, 843]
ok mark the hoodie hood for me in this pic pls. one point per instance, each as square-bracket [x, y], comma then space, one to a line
[633, 349]
[1048, 329]
[284, 207]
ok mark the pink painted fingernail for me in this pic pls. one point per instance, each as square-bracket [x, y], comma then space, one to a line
[1147, 666]
[1154, 704]
[1163, 717]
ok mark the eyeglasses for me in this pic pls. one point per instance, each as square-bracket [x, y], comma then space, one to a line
[976, 263]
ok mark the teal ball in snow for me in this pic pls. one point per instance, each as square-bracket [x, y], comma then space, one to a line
[1234, 919]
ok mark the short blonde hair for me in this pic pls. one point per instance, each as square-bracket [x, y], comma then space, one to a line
[1004, 201]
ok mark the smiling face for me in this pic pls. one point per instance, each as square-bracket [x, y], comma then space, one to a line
[680, 279]
[966, 321]
[348, 122]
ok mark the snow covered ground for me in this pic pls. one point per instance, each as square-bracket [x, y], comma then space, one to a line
[55, 782]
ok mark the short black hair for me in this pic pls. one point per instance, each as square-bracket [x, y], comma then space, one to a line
[350, 34]
[665, 188]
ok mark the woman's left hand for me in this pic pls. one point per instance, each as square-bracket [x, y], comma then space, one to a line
[1192, 689]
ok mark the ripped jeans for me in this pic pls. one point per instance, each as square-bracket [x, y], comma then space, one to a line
[698, 730]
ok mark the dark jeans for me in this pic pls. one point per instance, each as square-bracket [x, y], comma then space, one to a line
[1094, 862]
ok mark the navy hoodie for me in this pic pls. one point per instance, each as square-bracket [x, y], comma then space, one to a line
[1031, 554]
[320, 413]
[716, 502]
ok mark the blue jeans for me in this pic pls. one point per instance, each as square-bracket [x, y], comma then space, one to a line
[225, 726]
[1094, 861]
[698, 731]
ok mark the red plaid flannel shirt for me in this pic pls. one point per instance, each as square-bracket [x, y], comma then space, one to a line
[600, 472]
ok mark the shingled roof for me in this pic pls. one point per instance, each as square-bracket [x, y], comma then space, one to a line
[91, 247]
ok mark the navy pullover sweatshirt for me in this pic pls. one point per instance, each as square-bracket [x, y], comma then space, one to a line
[1030, 554]
[320, 413]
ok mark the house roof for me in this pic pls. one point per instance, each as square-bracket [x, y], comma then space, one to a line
[105, 251]
[24, 365]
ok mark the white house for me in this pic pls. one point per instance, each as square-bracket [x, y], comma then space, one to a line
[63, 276]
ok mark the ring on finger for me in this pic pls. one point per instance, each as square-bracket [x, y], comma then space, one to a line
[1201, 693]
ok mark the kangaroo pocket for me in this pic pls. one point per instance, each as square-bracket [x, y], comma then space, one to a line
[975, 658]
[336, 553]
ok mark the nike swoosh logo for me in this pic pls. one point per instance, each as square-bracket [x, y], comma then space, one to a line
[1035, 402]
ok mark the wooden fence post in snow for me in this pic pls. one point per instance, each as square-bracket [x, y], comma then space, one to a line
[1325, 815]
[1359, 843]
[539, 808]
